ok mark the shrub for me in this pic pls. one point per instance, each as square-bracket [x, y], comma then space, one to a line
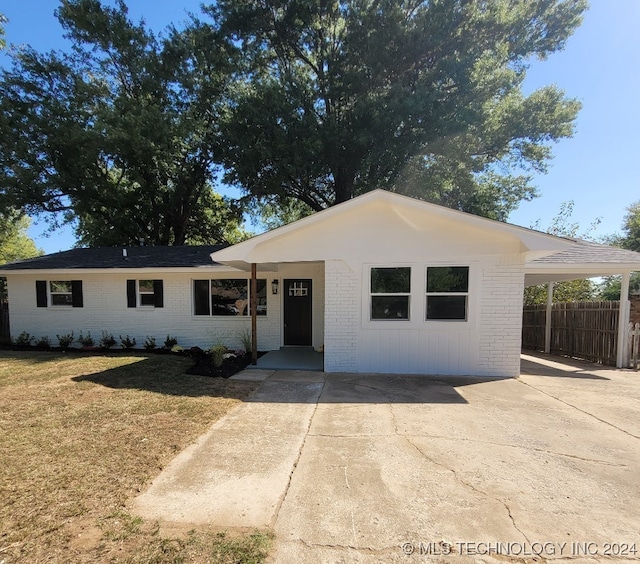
[149, 343]
[107, 341]
[65, 340]
[85, 341]
[24, 339]
[170, 342]
[217, 355]
[127, 343]
[245, 339]
[43, 342]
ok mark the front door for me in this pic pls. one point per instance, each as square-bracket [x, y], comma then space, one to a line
[297, 312]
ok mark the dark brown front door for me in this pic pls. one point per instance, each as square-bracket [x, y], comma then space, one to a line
[297, 312]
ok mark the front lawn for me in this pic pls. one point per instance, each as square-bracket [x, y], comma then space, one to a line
[82, 434]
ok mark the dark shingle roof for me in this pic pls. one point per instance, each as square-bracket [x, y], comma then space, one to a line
[112, 257]
[588, 252]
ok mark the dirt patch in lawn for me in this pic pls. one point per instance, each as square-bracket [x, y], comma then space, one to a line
[81, 435]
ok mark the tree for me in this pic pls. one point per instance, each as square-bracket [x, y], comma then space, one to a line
[569, 290]
[118, 135]
[3, 20]
[15, 244]
[334, 99]
[630, 239]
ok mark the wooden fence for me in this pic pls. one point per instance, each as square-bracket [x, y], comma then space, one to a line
[587, 330]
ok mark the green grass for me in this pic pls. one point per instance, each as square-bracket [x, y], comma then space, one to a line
[82, 435]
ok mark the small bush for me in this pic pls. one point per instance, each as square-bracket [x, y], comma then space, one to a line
[170, 342]
[149, 343]
[107, 341]
[24, 339]
[245, 339]
[65, 340]
[217, 355]
[86, 340]
[127, 343]
[43, 343]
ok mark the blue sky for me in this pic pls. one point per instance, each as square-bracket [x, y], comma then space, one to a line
[599, 168]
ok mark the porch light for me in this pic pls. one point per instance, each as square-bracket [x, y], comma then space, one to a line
[274, 287]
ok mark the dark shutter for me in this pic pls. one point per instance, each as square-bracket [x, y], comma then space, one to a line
[131, 293]
[158, 293]
[76, 293]
[41, 293]
[201, 297]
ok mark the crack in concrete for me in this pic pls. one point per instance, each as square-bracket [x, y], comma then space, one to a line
[577, 408]
[522, 447]
[347, 547]
[455, 473]
[276, 512]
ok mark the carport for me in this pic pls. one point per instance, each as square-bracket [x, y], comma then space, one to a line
[586, 260]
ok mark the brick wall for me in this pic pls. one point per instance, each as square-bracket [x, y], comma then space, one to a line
[500, 326]
[341, 317]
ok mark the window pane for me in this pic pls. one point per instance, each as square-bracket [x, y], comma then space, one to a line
[147, 300]
[390, 280]
[389, 307]
[201, 297]
[262, 297]
[61, 300]
[447, 307]
[448, 279]
[145, 286]
[60, 286]
[229, 296]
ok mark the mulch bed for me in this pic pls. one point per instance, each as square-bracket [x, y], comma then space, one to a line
[230, 366]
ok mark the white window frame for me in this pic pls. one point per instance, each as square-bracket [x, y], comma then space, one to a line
[140, 293]
[52, 293]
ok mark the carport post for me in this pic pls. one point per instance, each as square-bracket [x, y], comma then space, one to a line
[547, 319]
[253, 306]
[623, 320]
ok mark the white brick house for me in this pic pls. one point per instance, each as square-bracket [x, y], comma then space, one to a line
[382, 283]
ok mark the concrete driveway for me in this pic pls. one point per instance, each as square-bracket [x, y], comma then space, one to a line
[370, 468]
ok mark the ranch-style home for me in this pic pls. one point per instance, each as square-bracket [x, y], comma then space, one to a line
[382, 283]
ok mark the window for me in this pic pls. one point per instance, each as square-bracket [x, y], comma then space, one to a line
[59, 293]
[145, 293]
[447, 293]
[390, 290]
[228, 296]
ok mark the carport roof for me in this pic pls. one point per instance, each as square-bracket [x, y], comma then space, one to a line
[584, 259]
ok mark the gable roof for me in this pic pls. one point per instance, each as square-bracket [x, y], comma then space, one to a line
[112, 257]
[414, 215]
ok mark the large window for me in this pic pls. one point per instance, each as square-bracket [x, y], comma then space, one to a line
[390, 293]
[447, 293]
[228, 296]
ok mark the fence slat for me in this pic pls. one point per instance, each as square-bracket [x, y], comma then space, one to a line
[586, 330]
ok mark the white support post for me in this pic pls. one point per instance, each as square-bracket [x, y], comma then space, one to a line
[623, 321]
[547, 319]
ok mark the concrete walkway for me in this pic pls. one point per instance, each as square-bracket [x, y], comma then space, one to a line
[371, 468]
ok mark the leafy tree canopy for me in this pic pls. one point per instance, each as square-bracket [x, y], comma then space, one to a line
[117, 136]
[630, 239]
[570, 290]
[333, 99]
[3, 20]
[15, 244]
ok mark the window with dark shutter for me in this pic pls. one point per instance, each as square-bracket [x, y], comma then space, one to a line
[77, 299]
[41, 293]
